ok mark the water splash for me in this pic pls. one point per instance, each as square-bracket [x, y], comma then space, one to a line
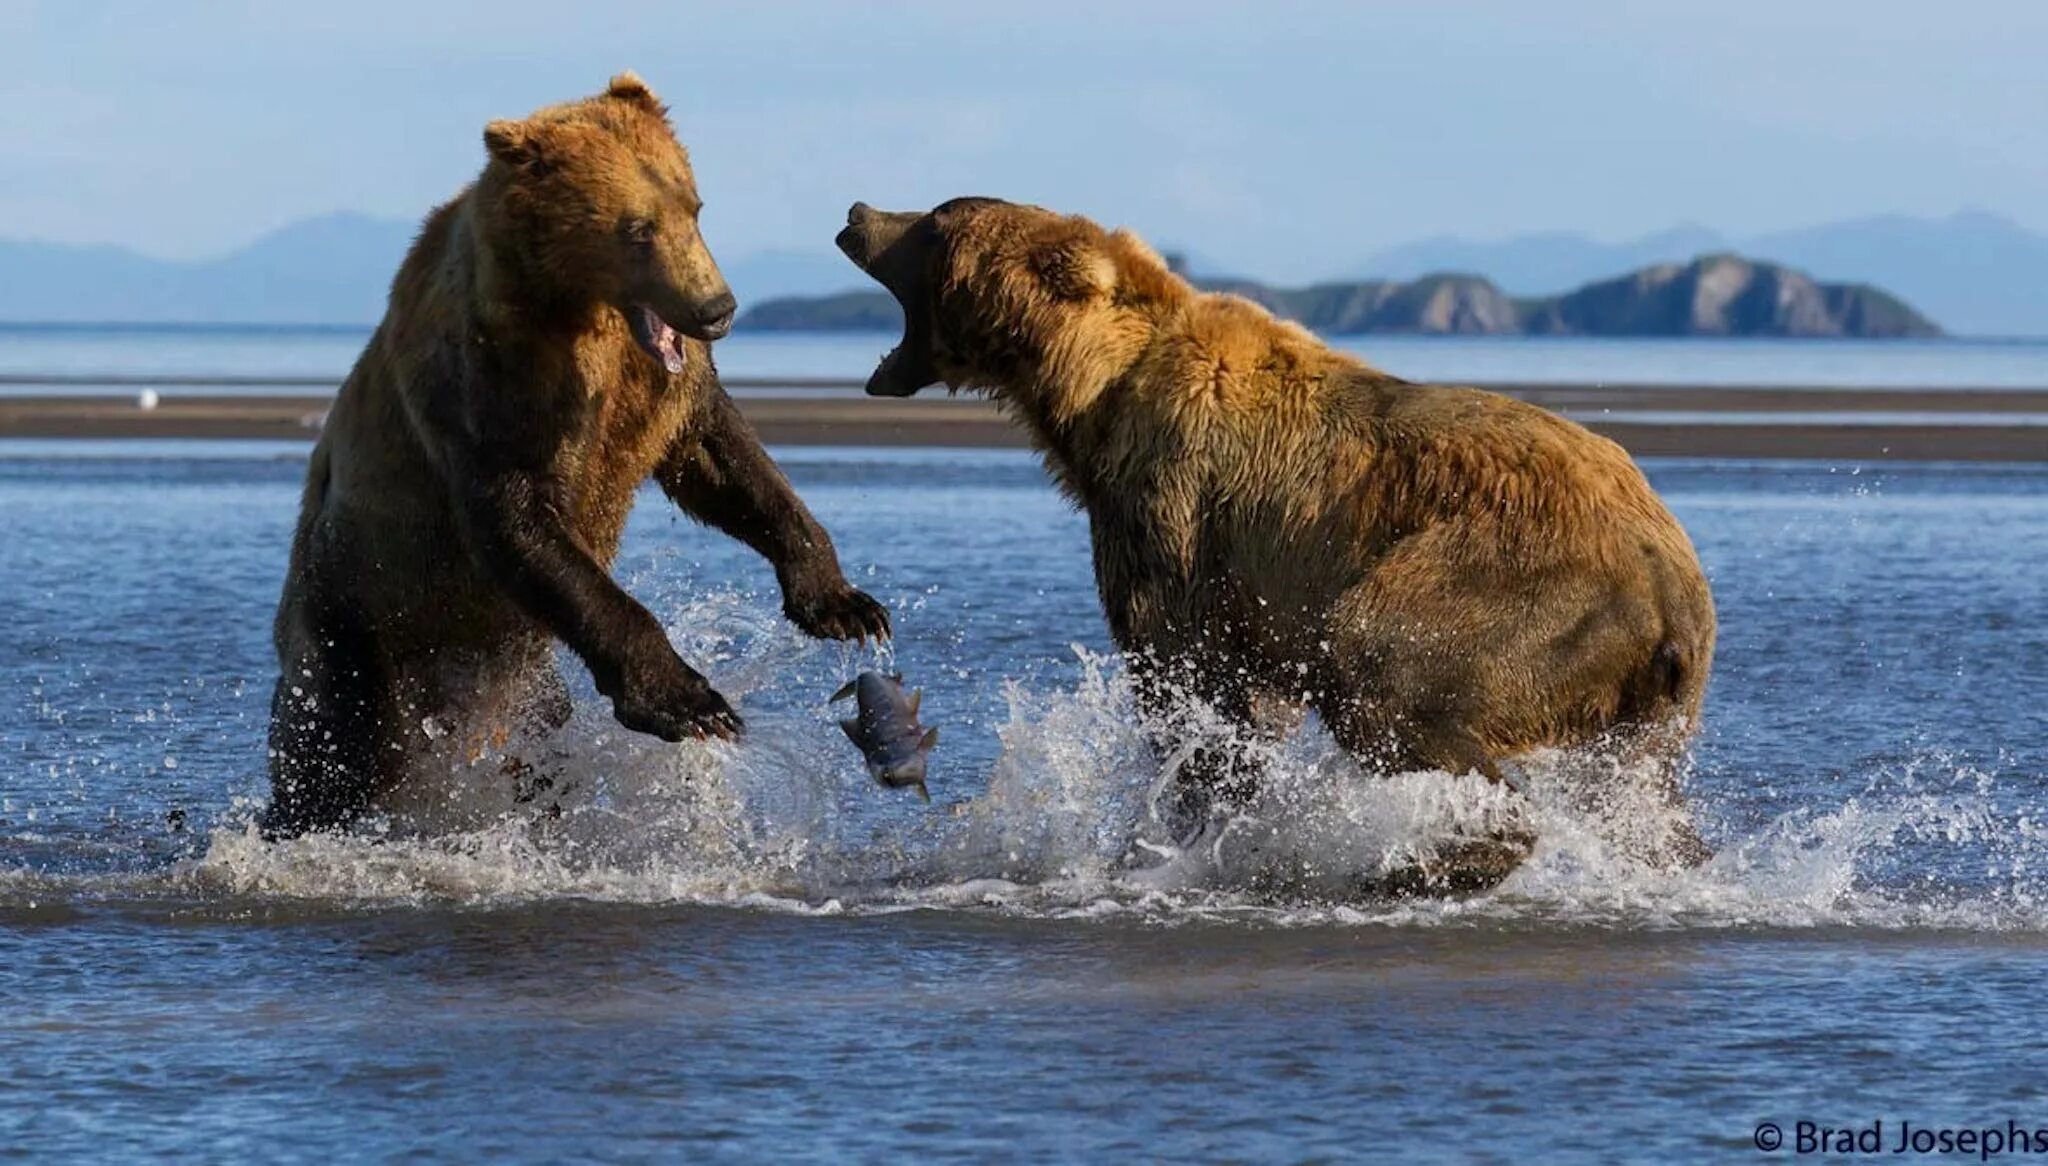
[1064, 827]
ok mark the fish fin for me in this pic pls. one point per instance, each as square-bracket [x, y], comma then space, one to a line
[845, 690]
[931, 738]
[852, 729]
[924, 793]
[916, 698]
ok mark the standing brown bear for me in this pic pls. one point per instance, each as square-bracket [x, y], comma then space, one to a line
[1451, 578]
[546, 350]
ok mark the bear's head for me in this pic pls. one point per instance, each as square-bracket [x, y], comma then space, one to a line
[593, 201]
[1041, 309]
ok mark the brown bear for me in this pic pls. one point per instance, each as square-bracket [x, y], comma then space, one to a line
[545, 351]
[1449, 577]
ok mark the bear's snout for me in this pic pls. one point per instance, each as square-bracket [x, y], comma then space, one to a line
[851, 242]
[715, 315]
[869, 232]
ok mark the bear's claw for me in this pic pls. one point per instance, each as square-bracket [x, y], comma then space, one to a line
[670, 700]
[710, 717]
[845, 614]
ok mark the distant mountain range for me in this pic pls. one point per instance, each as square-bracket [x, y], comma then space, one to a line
[1713, 295]
[334, 269]
[330, 270]
[848, 311]
[1975, 273]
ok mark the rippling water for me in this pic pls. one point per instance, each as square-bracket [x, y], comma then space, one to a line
[328, 352]
[749, 951]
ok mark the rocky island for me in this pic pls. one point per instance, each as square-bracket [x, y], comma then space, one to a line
[1713, 295]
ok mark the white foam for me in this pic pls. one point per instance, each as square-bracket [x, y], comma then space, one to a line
[785, 821]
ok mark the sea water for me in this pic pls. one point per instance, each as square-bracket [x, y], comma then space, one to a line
[746, 951]
[327, 353]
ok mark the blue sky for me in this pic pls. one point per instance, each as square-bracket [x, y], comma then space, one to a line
[1287, 140]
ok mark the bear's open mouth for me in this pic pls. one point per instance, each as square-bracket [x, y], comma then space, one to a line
[876, 243]
[656, 338]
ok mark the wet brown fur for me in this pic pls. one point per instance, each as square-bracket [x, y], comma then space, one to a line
[1452, 578]
[473, 479]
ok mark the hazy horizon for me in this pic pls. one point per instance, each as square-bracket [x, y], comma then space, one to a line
[1284, 142]
[1198, 260]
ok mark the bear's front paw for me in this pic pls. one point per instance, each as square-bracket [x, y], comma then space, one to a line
[838, 613]
[673, 702]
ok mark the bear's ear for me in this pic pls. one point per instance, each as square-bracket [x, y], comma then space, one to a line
[512, 141]
[1141, 273]
[628, 86]
[1138, 249]
[1074, 269]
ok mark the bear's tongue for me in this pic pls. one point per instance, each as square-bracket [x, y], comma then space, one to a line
[655, 336]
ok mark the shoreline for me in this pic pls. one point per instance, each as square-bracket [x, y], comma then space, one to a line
[1992, 425]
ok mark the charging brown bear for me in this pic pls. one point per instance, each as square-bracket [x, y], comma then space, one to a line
[545, 351]
[1450, 578]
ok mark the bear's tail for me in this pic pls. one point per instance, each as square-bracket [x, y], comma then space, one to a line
[1658, 690]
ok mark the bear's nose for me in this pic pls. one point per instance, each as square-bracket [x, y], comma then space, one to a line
[716, 313]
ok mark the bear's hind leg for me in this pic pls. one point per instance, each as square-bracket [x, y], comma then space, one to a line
[546, 706]
[1467, 861]
[1409, 743]
[1633, 778]
[331, 751]
[532, 766]
[1215, 758]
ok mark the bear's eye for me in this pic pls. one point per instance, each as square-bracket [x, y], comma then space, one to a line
[639, 232]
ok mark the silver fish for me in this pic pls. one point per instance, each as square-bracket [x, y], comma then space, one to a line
[886, 732]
